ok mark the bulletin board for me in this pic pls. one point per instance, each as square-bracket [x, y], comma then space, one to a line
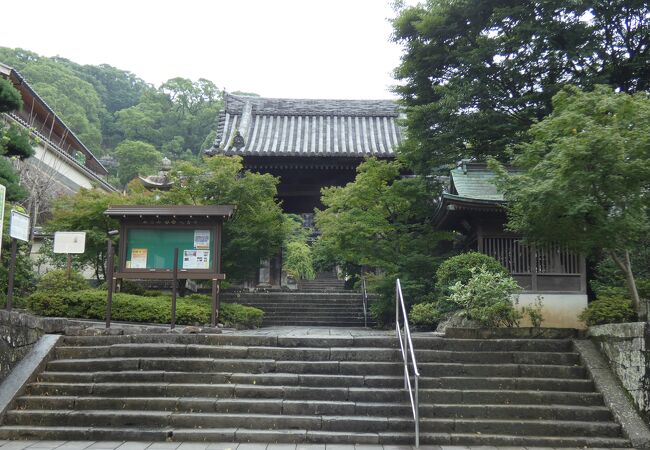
[153, 248]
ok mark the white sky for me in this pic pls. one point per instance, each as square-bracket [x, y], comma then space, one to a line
[275, 48]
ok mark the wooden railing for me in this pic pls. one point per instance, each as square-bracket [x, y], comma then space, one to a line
[520, 258]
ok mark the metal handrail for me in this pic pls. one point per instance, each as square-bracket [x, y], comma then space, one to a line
[364, 291]
[406, 347]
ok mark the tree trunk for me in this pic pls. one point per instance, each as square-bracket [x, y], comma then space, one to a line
[626, 266]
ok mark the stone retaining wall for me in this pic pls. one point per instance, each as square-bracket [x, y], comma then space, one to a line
[19, 333]
[626, 346]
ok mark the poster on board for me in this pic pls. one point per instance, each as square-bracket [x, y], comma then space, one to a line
[202, 239]
[196, 259]
[138, 258]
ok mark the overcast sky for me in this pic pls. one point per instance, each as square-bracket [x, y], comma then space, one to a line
[275, 48]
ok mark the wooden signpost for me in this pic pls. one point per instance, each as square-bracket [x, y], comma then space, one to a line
[169, 243]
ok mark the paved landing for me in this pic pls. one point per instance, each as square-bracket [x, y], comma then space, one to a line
[135, 445]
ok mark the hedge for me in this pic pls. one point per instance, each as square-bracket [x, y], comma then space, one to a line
[91, 304]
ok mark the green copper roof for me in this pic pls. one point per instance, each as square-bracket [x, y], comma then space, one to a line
[475, 181]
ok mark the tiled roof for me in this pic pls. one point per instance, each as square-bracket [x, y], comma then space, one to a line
[285, 127]
[474, 181]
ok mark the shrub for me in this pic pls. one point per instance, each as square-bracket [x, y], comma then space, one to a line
[534, 312]
[132, 287]
[614, 309]
[460, 268]
[424, 314]
[91, 304]
[487, 298]
[57, 280]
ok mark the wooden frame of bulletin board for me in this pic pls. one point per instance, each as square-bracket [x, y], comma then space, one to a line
[151, 236]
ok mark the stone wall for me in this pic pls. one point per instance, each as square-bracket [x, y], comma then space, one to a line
[626, 348]
[19, 332]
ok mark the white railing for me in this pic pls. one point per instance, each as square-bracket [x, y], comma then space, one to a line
[364, 292]
[406, 347]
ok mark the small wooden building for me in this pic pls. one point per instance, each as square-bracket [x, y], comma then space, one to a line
[309, 144]
[473, 207]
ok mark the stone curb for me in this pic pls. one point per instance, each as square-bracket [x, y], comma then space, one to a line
[26, 370]
[634, 428]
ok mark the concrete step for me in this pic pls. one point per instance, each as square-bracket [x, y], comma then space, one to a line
[301, 436]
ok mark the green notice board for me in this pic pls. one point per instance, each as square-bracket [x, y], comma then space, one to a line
[153, 248]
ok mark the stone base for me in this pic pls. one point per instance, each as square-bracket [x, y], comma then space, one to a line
[558, 310]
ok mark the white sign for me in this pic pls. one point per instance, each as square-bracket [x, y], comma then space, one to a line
[3, 191]
[196, 259]
[69, 242]
[19, 226]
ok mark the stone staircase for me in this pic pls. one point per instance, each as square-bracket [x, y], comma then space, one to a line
[311, 309]
[312, 388]
[323, 282]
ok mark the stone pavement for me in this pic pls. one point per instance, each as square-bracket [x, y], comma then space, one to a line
[136, 445]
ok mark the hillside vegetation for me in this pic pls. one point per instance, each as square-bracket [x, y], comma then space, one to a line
[110, 108]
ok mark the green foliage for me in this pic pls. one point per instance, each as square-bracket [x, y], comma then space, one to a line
[383, 221]
[24, 275]
[57, 281]
[136, 158]
[461, 268]
[298, 260]
[257, 228]
[91, 304]
[9, 179]
[475, 74]
[587, 174]
[84, 211]
[425, 315]
[534, 312]
[487, 298]
[10, 99]
[615, 309]
[104, 105]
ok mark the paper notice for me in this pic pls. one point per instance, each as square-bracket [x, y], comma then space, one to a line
[196, 259]
[138, 258]
[202, 239]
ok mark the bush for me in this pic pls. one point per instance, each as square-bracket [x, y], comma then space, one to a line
[91, 304]
[57, 280]
[614, 309]
[425, 315]
[132, 287]
[460, 268]
[487, 298]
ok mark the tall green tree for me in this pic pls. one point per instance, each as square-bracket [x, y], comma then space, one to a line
[587, 176]
[476, 74]
[136, 158]
[257, 229]
[383, 221]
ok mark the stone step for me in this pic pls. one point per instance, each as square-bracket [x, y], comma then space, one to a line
[356, 394]
[180, 364]
[301, 436]
[311, 353]
[143, 418]
[427, 369]
[315, 407]
[139, 376]
[315, 340]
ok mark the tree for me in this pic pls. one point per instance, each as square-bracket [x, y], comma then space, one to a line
[383, 221]
[587, 176]
[134, 158]
[475, 74]
[84, 211]
[256, 230]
